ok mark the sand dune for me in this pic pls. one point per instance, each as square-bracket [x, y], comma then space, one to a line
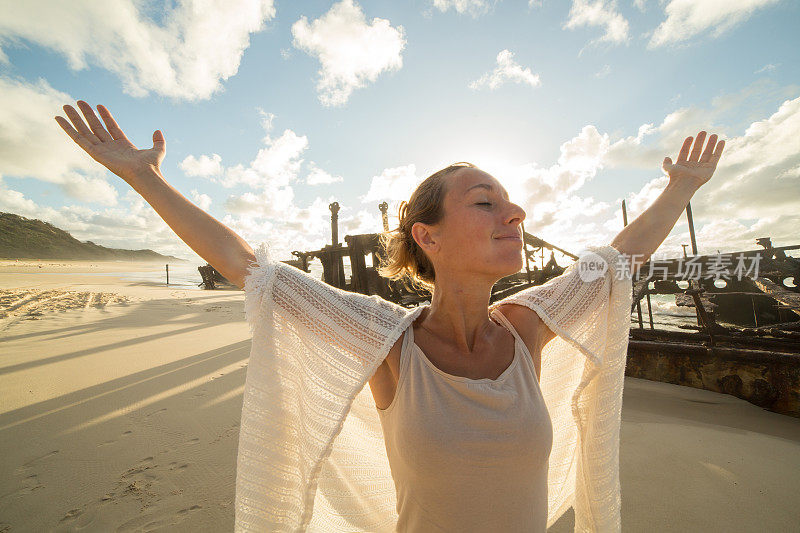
[121, 402]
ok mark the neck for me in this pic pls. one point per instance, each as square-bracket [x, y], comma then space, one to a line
[459, 311]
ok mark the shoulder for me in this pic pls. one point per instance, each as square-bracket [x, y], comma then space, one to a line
[529, 325]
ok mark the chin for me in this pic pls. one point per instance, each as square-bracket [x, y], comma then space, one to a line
[512, 266]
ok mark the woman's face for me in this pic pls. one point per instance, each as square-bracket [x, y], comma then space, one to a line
[480, 232]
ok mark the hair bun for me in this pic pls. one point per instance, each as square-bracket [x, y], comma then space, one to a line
[404, 259]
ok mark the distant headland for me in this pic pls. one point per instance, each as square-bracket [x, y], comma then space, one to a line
[28, 238]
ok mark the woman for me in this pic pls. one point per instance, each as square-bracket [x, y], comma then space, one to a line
[471, 399]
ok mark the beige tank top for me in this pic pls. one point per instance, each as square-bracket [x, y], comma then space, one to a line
[468, 455]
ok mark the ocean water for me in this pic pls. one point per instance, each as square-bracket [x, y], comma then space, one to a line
[181, 275]
[184, 276]
[666, 313]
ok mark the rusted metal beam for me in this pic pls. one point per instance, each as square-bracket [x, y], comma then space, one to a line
[729, 353]
[384, 207]
[691, 227]
[536, 242]
[527, 259]
[788, 298]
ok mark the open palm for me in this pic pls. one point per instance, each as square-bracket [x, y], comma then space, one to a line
[108, 145]
[696, 166]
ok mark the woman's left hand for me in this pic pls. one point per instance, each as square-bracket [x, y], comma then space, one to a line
[698, 166]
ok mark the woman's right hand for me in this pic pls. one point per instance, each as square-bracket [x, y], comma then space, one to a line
[108, 145]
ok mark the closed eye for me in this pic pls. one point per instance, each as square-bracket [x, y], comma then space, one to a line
[484, 203]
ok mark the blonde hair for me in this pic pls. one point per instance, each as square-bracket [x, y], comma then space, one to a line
[404, 259]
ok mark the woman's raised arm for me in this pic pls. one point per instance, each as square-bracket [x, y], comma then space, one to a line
[209, 238]
[644, 235]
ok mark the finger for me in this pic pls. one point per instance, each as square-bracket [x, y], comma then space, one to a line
[718, 152]
[667, 164]
[80, 125]
[684, 153]
[94, 123]
[698, 146]
[158, 141]
[709, 151]
[79, 139]
[67, 127]
[111, 124]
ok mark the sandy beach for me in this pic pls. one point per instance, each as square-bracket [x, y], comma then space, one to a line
[121, 400]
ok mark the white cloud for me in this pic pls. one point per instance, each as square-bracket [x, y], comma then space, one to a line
[507, 70]
[279, 161]
[266, 119]
[758, 171]
[274, 168]
[637, 202]
[362, 221]
[268, 212]
[15, 202]
[270, 203]
[769, 67]
[393, 184]
[550, 195]
[689, 18]
[604, 71]
[601, 13]
[275, 165]
[351, 51]
[204, 166]
[317, 176]
[203, 201]
[198, 45]
[32, 145]
[472, 7]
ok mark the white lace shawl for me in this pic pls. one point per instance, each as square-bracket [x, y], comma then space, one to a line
[311, 450]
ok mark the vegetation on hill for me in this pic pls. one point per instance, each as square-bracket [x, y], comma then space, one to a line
[30, 238]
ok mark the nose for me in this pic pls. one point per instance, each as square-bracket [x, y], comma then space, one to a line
[515, 214]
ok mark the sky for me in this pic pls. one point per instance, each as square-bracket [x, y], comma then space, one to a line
[274, 109]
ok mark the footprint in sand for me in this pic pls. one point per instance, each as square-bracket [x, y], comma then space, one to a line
[157, 521]
[78, 519]
[112, 441]
[28, 484]
[35, 461]
[190, 509]
[72, 514]
[17, 305]
[144, 465]
[29, 477]
[151, 413]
